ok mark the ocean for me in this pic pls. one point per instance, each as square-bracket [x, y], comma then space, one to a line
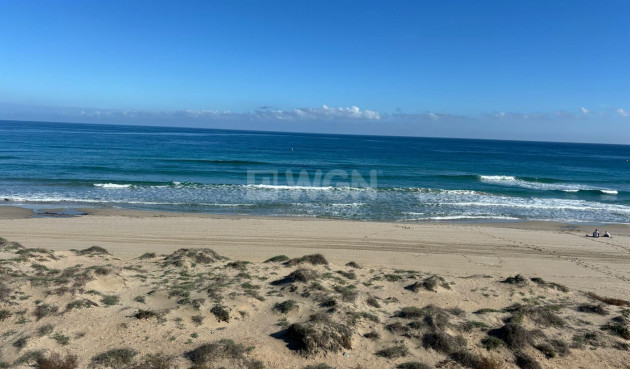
[58, 165]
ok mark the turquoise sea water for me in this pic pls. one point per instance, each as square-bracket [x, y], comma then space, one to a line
[46, 165]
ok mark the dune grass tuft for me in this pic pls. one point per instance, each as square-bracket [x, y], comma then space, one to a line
[115, 358]
[314, 259]
[57, 361]
[94, 250]
[320, 334]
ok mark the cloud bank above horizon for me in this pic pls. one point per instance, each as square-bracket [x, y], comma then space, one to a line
[584, 122]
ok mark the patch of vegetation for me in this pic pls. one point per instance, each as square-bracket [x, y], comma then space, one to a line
[319, 366]
[348, 293]
[432, 316]
[145, 314]
[302, 275]
[354, 316]
[314, 259]
[110, 300]
[286, 306]
[140, 299]
[541, 315]
[5, 314]
[239, 265]
[467, 359]
[147, 255]
[473, 324]
[373, 335]
[79, 304]
[45, 310]
[277, 259]
[94, 250]
[115, 358]
[413, 365]
[431, 283]
[373, 302]
[618, 326]
[608, 300]
[189, 257]
[541, 282]
[221, 313]
[491, 343]
[582, 338]
[21, 342]
[5, 292]
[100, 270]
[320, 334]
[249, 286]
[595, 309]
[61, 339]
[398, 328]
[353, 264]
[393, 352]
[443, 342]
[514, 336]
[45, 330]
[57, 361]
[393, 277]
[525, 361]
[197, 319]
[29, 358]
[410, 312]
[518, 280]
[209, 353]
[349, 275]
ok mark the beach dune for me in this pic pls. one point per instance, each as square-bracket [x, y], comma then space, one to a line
[551, 250]
[139, 290]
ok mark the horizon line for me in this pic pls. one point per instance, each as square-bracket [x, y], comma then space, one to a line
[310, 133]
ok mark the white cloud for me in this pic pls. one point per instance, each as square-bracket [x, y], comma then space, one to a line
[263, 114]
[622, 112]
[584, 110]
[325, 112]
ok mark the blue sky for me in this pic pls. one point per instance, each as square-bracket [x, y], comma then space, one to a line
[542, 70]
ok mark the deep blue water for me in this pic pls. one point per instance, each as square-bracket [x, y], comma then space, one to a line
[45, 165]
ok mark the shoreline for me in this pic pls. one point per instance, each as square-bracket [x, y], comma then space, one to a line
[553, 251]
[18, 212]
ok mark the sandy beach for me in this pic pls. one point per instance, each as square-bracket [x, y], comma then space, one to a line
[145, 290]
[551, 250]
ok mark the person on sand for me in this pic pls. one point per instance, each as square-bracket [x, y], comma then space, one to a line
[606, 234]
[595, 234]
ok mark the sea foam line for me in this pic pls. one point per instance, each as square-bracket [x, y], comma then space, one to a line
[112, 185]
[514, 181]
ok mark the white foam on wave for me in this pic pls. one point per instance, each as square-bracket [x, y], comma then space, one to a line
[462, 217]
[516, 182]
[286, 187]
[307, 188]
[46, 199]
[112, 185]
[497, 178]
[609, 192]
[540, 204]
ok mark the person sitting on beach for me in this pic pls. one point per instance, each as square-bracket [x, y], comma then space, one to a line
[596, 233]
[606, 234]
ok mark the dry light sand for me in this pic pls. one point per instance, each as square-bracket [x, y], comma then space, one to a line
[568, 328]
